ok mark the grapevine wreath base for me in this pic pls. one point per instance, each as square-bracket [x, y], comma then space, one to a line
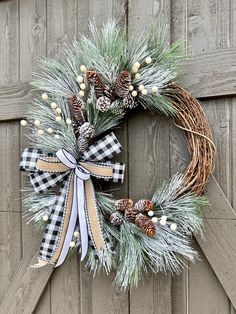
[86, 94]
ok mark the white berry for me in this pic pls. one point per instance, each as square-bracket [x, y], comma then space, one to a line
[82, 86]
[81, 93]
[53, 105]
[164, 217]
[57, 136]
[162, 222]
[131, 88]
[137, 76]
[137, 65]
[40, 132]
[173, 226]
[134, 69]
[89, 100]
[72, 244]
[83, 68]
[134, 93]
[76, 234]
[79, 79]
[154, 220]
[50, 130]
[44, 96]
[150, 213]
[141, 87]
[58, 110]
[154, 89]
[148, 60]
[45, 218]
[144, 91]
[58, 118]
[68, 121]
[36, 122]
[23, 122]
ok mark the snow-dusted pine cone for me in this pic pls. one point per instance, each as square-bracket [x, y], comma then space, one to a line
[146, 225]
[122, 84]
[130, 214]
[109, 93]
[123, 204]
[129, 102]
[95, 80]
[86, 130]
[82, 144]
[77, 106]
[116, 219]
[143, 206]
[103, 103]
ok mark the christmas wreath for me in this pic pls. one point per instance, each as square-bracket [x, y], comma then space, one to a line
[87, 92]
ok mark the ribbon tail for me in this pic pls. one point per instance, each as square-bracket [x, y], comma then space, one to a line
[94, 223]
[70, 229]
[82, 217]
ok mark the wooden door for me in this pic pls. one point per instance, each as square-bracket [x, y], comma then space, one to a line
[32, 28]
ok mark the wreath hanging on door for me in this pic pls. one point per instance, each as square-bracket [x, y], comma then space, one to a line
[87, 93]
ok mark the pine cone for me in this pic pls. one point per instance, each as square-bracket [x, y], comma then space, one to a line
[143, 205]
[130, 214]
[116, 219]
[109, 93]
[95, 80]
[129, 102]
[123, 204]
[103, 103]
[77, 106]
[86, 130]
[122, 84]
[146, 225]
[83, 144]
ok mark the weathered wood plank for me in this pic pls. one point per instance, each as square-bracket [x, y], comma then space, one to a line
[98, 294]
[28, 283]
[148, 146]
[62, 28]
[9, 160]
[148, 163]
[219, 248]
[10, 248]
[211, 74]
[33, 23]
[206, 294]
[207, 75]
[14, 101]
[9, 42]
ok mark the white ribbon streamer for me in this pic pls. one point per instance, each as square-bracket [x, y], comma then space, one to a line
[81, 174]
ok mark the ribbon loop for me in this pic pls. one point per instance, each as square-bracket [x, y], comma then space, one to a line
[66, 158]
[82, 173]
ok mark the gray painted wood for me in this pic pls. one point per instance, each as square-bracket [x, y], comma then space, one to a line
[34, 28]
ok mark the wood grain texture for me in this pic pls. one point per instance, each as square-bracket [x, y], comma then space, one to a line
[211, 74]
[9, 42]
[10, 249]
[9, 159]
[33, 28]
[62, 27]
[98, 293]
[148, 137]
[14, 101]
[28, 283]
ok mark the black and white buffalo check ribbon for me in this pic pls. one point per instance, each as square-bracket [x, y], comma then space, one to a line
[76, 198]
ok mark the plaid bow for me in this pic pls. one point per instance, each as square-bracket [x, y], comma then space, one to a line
[76, 197]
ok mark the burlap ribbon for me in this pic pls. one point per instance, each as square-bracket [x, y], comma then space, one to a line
[76, 200]
[80, 202]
